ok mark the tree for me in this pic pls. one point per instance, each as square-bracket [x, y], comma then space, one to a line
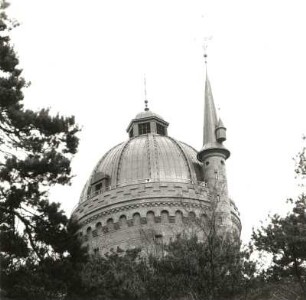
[203, 262]
[118, 275]
[35, 153]
[183, 272]
[285, 238]
[212, 269]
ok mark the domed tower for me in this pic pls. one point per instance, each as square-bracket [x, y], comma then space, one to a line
[146, 190]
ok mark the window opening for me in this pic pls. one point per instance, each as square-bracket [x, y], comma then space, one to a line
[160, 129]
[178, 216]
[144, 128]
[164, 216]
[158, 239]
[98, 186]
[136, 219]
[131, 134]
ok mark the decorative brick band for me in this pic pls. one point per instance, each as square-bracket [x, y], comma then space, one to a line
[142, 205]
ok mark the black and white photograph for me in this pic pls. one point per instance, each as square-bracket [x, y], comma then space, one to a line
[152, 150]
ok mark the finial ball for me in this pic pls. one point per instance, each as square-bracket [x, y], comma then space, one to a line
[146, 105]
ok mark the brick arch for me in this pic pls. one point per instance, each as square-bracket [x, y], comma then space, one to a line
[123, 221]
[110, 224]
[164, 216]
[99, 227]
[192, 215]
[89, 232]
[136, 218]
[179, 216]
[150, 217]
[203, 218]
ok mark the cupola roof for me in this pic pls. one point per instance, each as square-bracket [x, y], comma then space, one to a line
[148, 114]
[147, 122]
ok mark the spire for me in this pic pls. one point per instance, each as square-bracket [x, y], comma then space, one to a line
[210, 115]
[214, 132]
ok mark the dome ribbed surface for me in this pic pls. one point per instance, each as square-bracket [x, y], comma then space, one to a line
[149, 157]
[147, 114]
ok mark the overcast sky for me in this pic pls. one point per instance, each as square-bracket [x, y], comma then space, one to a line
[88, 58]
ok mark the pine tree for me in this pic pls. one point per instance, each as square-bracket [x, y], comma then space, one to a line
[35, 153]
[284, 238]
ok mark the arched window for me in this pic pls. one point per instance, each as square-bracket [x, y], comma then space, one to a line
[203, 219]
[136, 219]
[178, 217]
[150, 217]
[165, 216]
[99, 227]
[89, 232]
[110, 224]
[192, 215]
[122, 221]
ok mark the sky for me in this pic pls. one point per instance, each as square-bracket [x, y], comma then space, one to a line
[88, 59]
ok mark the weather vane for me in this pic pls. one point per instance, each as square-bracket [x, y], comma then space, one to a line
[145, 93]
[205, 45]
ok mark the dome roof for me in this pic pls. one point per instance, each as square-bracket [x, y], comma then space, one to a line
[147, 114]
[148, 157]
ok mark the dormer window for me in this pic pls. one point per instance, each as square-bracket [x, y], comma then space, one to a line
[131, 133]
[99, 183]
[105, 182]
[144, 128]
[98, 186]
[160, 129]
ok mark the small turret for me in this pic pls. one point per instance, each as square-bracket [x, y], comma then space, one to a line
[221, 132]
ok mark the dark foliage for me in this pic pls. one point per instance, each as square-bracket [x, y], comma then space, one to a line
[285, 239]
[185, 269]
[37, 248]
